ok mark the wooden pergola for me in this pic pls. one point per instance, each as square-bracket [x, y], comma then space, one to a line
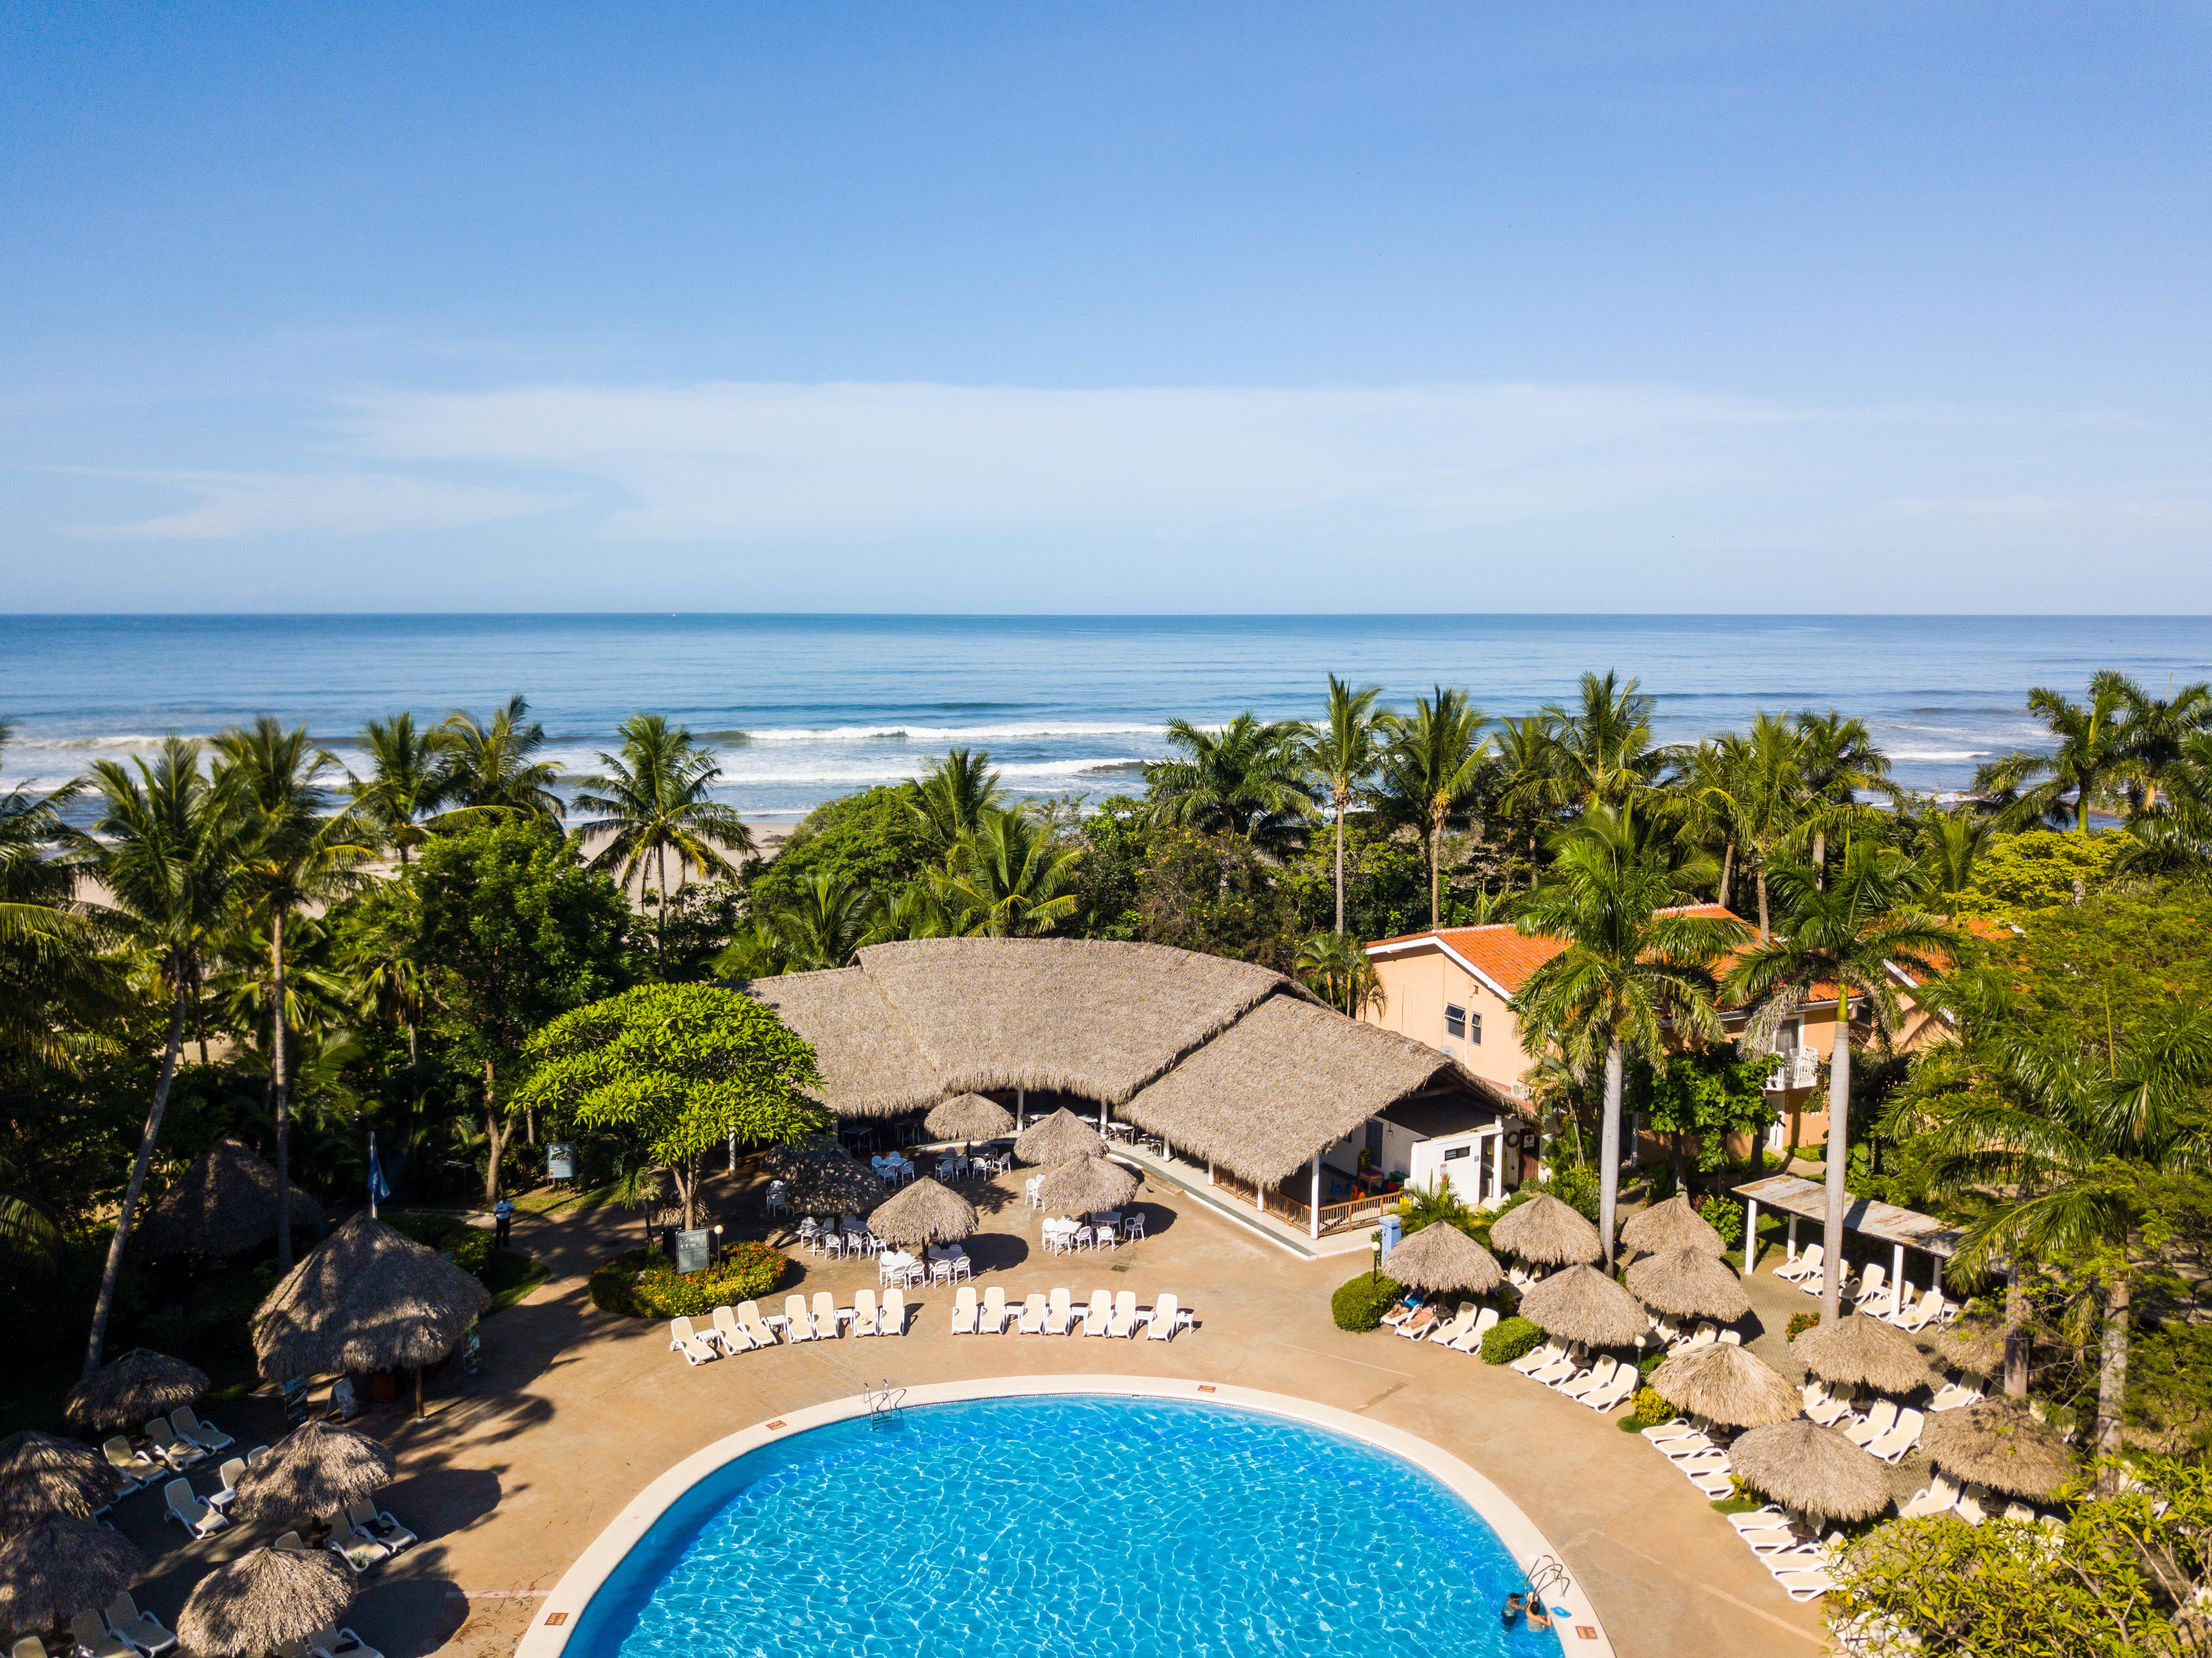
[1901, 1228]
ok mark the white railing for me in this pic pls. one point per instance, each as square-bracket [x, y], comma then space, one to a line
[1799, 1067]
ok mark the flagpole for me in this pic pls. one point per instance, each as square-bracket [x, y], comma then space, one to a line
[375, 1172]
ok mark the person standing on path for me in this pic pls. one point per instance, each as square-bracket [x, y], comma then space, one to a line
[502, 1220]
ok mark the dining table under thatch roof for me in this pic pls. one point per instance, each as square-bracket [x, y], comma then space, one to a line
[366, 1298]
[1861, 1351]
[315, 1470]
[1730, 1384]
[142, 1383]
[1546, 1232]
[60, 1567]
[826, 1179]
[1440, 1258]
[923, 1212]
[1672, 1225]
[1086, 1184]
[1583, 1304]
[1998, 1442]
[224, 1204]
[1689, 1284]
[1814, 1470]
[968, 1117]
[42, 1478]
[1060, 1138]
[262, 1600]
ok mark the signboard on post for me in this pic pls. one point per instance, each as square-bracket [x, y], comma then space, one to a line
[695, 1251]
[561, 1160]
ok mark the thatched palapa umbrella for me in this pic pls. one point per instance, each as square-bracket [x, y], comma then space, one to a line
[60, 1568]
[923, 1212]
[825, 1180]
[1864, 1352]
[1542, 1229]
[1734, 1388]
[315, 1470]
[1999, 1443]
[1440, 1258]
[1671, 1225]
[1061, 1138]
[1689, 1284]
[140, 1384]
[1583, 1304]
[1975, 1342]
[262, 1600]
[1084, 1185]
[223, 1205]
[42, 1478]
[968, 1117]
[1803, 1465]
[365, 1298]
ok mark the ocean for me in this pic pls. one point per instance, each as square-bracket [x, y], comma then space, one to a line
[801, 709]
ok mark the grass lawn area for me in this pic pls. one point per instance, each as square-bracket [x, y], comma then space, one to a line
[510, 1277]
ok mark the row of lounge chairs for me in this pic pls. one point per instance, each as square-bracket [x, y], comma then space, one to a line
[742, 1328]
[1884, 1429]
[172, 1443]
[1873, 1295]
[1685, 1336]
[122, 1631]
[1972, 1504]
[1569, 1371]
[1793, 1552]
[1463, 1333]
[1105, 1314]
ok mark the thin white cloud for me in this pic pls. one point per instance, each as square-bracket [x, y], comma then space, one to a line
[2186, 515]
[234, 504]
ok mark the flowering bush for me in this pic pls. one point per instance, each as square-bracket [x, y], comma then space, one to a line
[644, 1283]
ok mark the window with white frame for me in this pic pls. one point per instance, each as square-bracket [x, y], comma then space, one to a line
[1454, 1020]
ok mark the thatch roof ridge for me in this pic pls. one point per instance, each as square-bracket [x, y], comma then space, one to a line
[223, 1205]
[316, 1469]
[1802, 1465]
[871, 1065]
[1730, 1384]
[1999, 1442]
[1543, 1230]
[1861, 1350]
[139, 1384]
[1583, 1304]
[1058, 1138]
[968, 1117]
[43, 1477]
[1673, 1225]
[366, 1298]
[1442, 1258]
[262, 1600]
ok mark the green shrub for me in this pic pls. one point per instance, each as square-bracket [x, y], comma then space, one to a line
[1579, 1188]
[1651, 1408]
[1799, 1323]
[642, 1283]
[1360, 1302]
[471, 1246]
[1510, 1339]
[1724, 1217]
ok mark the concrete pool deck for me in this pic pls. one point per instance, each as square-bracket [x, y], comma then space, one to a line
[577, 1412]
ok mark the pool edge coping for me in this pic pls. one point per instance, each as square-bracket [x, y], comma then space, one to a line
[565, 1601]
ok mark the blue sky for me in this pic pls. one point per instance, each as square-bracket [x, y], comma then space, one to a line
[1396, 308]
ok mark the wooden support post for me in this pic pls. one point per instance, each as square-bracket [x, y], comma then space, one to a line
[1897, 1280]
[1750, 1233]
[1313, 1210]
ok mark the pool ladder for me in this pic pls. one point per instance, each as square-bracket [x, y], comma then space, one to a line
[1546, 1574]
[884, 1405]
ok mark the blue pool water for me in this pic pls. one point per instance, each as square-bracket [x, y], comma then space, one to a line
[1062, 1525]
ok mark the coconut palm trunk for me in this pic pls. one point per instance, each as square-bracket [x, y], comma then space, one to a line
[1340, 800]
[2113, 1378]
[1435, 858]
[1609, 1178]
[2016, 1332]
[281, 1105]
[1831, 1226]
[104, 1302]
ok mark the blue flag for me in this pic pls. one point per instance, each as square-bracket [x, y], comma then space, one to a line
[379, 1188]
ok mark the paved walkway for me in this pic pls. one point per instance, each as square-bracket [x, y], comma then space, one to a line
[575, 1411]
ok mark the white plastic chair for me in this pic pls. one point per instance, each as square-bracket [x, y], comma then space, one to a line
[1133, 1226]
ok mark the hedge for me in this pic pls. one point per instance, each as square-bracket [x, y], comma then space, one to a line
[472, 1245]
[1360, 1302]
[1653, 1407]
[645, 1283]
[1510, 1338]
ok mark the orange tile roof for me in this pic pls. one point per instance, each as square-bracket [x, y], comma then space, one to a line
[1503, 953]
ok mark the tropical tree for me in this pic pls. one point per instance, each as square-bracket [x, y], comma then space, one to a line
[1759, 797]
[491, 766]
[2090, 759]
[1636, 971]
[1837, 760]
[1848, 937]
[1532, 790]
[406, 783]
[951, 799]
[2158, 730]
[297, 854]
[50, 975]
[1431, 765]
[1335, 967]
[2173, 834]
[822, 924]
[1603, 744]
[1012, 879]
[1948, 844]
[1343, 752]
[168, 847]
[1247, 780]
[653, 800]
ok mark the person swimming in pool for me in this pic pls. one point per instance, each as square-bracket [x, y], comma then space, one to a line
[1510, 1614]
[1538, 1617]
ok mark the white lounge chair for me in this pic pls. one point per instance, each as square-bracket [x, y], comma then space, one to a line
[135, 1468]
[1704, 1335]
[1401, 1312]
[1679, 1427]
[1562, 1370]
[1059, 1314]
[1714, 1483]
[1893, 1446]
[1955, 1395]
[1427, 1318]
[750, 1322]
[993, 1317]
[1460, 1324]
[1099, 1314]
[204, 1434]
[964, 1310]
[825, 1314]
[1032, 1320]
[1870, 1288]
[728, 1333]
[1597, 1376]
[1665, 1330]
[1124, 1321]
[1772, 1540]
[1627, 1380]
[195, 1516]
[96, 1640]
[864, 1312]
[327, 1642]
[1167, 1318]
[1809, 1584]
[379, 1525]
[1874, 1425]
[798, 1326]
[232, 1471]
[682, 1338]
[1792, 1272]
[1470, 1340]
[890, 1318]
[164, 1441]
[1826, 1404]
[1939, 1496]
[141, 1629]
[1766, 1516]
[1535, 1360]
[360, 1553]
[1969, 1505]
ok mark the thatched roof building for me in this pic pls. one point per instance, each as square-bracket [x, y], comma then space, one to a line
[129, 1389]
[1999, 1443]
[1441, 1258]
[1085, 1185]
[59, 1568]
[1061, 1138]
[1670, 1225]
[921, 1213]
[1730, 1384]
[223, 1205]
[968, 1117]
[1864, 1352]
[262, 1600]
[365, 1298]
[42, 1478]
[1228, 1061]
[1803, 1465]
[824, 1179]
[1583, 1304]
[316, 1469]
[1542, 1229]
[1689, 1284]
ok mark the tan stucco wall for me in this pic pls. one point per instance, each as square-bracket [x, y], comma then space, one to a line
[1417, 985]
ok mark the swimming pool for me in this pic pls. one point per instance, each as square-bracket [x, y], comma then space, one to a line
[1061, 1525]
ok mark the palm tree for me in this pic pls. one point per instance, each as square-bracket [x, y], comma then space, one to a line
[1604, 749]
[1948, 846]
[1635, 968]
[655, 802]
[950, 800]
[168, 846]
[824, 923]
[2069, 1138]
[1532, 790]
[49, 973]
[1848, 937]
[490, 767]
[1432, 764]
[2091, 757]
[296, 854]
[2158, 730]
[1759, 798]
[1839, 761]
[1342, 752]
[2173, 834]
[1247, 778]
[1335, 967]
[406, 781]
[1012, 881]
